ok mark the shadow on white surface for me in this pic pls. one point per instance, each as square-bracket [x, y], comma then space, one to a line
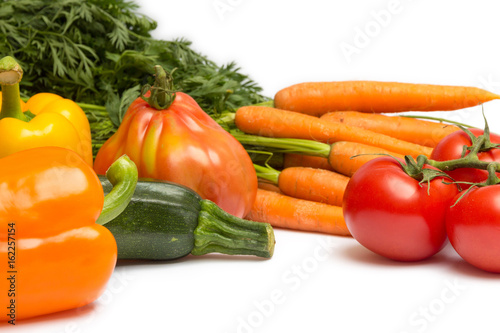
[446, 258]
[190, 258]
[458, 266]
[358, 253]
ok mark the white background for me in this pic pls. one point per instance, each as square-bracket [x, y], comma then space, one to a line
[314, 282]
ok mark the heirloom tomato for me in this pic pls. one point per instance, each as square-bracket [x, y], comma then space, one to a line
[395, 215]
[179, 142]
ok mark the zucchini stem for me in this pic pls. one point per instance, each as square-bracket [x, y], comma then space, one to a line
[219, 231]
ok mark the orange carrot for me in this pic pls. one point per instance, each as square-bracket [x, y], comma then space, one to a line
[268, 186]
[282, 211]
[272, 122]
[318, 98]
[347, 157]
[299, 160]
[422, 132]
[340, 155]
[307, 183]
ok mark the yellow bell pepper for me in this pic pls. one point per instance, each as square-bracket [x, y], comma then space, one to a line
[58, 121]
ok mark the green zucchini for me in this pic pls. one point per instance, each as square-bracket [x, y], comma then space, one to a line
[166, 221]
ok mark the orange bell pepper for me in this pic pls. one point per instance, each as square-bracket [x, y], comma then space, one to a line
[58, 122]
[53, 255]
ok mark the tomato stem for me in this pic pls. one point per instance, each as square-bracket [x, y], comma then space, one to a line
[471, 160]
[10, 76]
[492, 174]
[161, 93]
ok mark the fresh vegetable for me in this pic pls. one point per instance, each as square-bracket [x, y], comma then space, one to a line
[54, 255]
[418, 131]
[282, 211]
[99, 52]
[300, 160]
[274, 160]
[307, 183]
[165, 221]
[472, 224]
[267, 121]
[169, 137]
[318, 98]
[57, 121]
[347, 157]
[265, 185]
[452, 147]
[397, 211]
[343, 157]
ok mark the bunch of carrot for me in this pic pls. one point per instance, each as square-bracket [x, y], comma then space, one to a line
[327, 130]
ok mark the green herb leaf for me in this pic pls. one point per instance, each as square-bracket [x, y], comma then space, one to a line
[99, 51]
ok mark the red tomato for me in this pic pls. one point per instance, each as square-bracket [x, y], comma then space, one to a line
[473, 227]
[451, 146]
[184, 145]
[391, 214]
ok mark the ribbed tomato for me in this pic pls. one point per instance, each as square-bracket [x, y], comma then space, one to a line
[184, 145]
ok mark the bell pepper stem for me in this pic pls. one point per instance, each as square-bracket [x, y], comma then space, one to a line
[10, 76]
[123, 175]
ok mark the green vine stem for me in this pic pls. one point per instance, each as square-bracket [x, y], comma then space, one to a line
[162, 93]
[441, 120]
[471, 160]
[10, 76]
[413, 168]
[492, 175]
[285, 145]
[267, 173]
